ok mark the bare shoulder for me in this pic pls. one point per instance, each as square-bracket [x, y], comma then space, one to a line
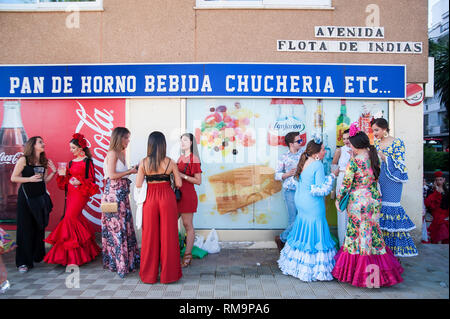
[22, 161]
[112, 154]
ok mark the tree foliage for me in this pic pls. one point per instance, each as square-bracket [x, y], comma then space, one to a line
[439, 50]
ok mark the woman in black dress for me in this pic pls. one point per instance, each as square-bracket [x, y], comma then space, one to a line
[31, 172]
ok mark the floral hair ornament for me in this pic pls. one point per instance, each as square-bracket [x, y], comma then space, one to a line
[378, 115]
[317, 139]
[354, 129]
[81, 140]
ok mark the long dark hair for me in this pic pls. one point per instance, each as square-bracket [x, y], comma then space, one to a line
[86, 149]
[156, 150]
[194, 149]
[360, 141]
[311, 149]
[381, 123]
[30, 154]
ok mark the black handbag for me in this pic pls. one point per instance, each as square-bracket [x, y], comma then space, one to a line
[177, 194]
[40, 207]
[176, 190]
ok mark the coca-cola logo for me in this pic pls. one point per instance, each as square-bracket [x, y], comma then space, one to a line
[289, 126]
[11, 159]
[101, 125]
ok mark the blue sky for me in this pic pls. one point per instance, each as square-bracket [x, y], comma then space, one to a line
[430, 5]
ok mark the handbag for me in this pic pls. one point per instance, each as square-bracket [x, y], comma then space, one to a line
[40, 206]
[176, 190]
[344, 202]
[109, 207]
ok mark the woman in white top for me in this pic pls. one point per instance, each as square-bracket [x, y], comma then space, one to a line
[341, 158]
[119, 244]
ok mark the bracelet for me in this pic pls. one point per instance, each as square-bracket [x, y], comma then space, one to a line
[185, 177]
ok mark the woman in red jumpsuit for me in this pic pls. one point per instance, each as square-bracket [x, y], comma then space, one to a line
[191, 174]
[160, 246]
[437, 204]
[73, 239]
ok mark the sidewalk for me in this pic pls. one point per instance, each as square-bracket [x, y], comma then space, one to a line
[233, 273]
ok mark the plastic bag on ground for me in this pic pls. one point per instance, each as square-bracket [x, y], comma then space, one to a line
[211, 244]
[198, 241]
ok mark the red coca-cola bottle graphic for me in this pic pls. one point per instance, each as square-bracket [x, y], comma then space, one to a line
[12, 141]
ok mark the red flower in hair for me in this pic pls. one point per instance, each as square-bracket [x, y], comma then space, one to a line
[81, 140]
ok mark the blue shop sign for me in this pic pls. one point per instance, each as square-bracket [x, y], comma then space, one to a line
[349, 81]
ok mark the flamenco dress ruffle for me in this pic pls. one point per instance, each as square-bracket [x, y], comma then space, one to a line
[361, 270]
[73, 243]
[73, 239]
[394, 222]
[309, 251]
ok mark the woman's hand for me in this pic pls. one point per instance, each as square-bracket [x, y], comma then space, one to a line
[336, 202]
[51, 165]
[336, 171]
[133, 170]
[35, 178]
[74, 181]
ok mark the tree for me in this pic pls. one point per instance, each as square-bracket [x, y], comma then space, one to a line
[439, 50]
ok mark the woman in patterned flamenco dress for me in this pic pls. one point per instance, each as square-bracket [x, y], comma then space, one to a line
[73, 239]
[364, 260]
[394, 222]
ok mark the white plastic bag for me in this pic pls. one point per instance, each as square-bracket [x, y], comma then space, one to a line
[211, 244]
[198, 241]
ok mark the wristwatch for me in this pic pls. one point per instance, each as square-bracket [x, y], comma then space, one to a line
[185, 177]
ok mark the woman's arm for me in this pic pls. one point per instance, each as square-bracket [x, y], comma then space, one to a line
[336, 156]
[176, 174]
[323, 185]
[111, 162]
[348, 178]
[87, 185]
[196, 179]
[140, 174]
[17, 172]
[48, 177]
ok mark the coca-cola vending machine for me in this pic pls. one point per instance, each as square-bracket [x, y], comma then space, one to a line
[12, 140]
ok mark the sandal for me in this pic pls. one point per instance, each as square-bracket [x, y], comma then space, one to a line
[187, 258]
[23, 269]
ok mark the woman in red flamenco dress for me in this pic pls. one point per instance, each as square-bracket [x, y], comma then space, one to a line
[73, 239]
[437, 204]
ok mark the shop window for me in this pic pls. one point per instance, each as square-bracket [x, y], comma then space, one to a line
[320, 4]
[50, 5]
[239, 143]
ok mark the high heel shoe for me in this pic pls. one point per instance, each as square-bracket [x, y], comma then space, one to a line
[187, 258]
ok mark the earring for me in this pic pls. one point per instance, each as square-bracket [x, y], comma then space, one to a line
[386, 134]
[316, 157]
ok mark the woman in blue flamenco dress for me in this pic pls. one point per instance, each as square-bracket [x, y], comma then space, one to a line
[309, 250]
[394, 222]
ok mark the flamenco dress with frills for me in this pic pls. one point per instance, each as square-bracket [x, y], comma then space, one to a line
[73, 239]
[309, 251]
[364, 260]
[394, 222]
